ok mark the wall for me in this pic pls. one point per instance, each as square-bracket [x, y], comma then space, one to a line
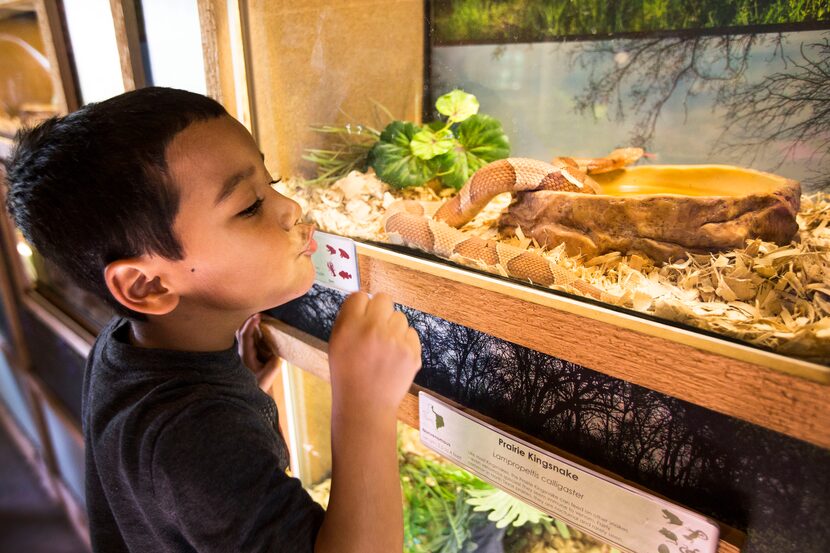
[323, 62]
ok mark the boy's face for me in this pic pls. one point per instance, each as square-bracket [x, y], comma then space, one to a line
[244, 251]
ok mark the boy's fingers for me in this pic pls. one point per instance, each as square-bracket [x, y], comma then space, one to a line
[398, 323]
[244, 329]
[414, 341]
[380, 307]
[249, 357]
[247, 342]
[355, 304]
[268, 374]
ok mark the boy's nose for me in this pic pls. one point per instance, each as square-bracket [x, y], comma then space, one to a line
[289, 214]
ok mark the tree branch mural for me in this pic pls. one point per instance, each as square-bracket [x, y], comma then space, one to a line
[783, 116]
[789, 109]
[708, 461]
[647, 73]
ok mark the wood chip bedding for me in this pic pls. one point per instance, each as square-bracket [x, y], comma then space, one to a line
[768, 295]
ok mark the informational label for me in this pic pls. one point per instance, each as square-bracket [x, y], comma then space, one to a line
[616, 513]
[335, 262]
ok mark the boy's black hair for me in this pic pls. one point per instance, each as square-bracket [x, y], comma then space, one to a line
[92, 187]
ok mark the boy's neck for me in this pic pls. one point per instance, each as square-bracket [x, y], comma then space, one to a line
[186, 334]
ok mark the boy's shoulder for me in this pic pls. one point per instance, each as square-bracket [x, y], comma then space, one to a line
[125, 380]
[113, 350]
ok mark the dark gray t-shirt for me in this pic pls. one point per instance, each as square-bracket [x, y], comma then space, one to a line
[183, 453]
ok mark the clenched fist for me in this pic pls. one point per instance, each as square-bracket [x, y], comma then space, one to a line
[373, 354]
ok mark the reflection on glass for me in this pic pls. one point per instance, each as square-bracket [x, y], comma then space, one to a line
[94, 49]
[308, 412]
[26, 89]
[744, 100]
[446, 509]
[173, 44]
[52, 283]
[671, 162]
[449, 510]
[538, 20]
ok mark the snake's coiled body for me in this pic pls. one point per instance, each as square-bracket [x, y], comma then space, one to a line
[512, 175]
[406, 223]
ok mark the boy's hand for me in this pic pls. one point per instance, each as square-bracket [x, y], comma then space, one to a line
[256, 354]
[373, 353]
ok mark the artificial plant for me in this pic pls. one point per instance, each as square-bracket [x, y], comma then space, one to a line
[405, 154]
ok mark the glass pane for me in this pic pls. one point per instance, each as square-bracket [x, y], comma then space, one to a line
[69, 453]
[668, 160]
[173, 44]
[439, 497]
[94, 49]
[85, 307]
[27, 91]
[51, 282]
[448, 510]
[308, 412]
[17, 400]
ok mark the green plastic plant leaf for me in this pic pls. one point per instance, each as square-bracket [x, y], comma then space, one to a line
[563, 529]
[457, 105]
[426, 144]
[393, 160]
[481, 140]
[504, 509]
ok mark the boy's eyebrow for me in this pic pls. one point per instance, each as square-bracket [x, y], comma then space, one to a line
[233, 181]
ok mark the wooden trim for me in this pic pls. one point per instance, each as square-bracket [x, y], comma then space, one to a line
[125, 22]
[75, 513]
[237, 40]
[297, 347]
[590, 310]
[210, 48]
[35, 459]
[43, 394]
[224, 37]
[16, 351]
[76, 336]
[48, 476]
[20, 281]
[55, 41]
[311, 354]
[557, 326]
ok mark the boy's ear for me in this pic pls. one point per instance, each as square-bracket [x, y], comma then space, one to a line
[136, 286]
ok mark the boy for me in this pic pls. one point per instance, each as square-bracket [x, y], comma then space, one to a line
[158, 201]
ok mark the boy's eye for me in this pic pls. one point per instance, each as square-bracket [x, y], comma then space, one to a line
[252, 209]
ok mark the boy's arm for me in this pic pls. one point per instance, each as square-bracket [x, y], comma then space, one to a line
[374, 355]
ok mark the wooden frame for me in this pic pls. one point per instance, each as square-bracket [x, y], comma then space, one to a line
[75, 512]
[44, 462]
[15, 286]
[16, 350]
[778, 393]
[311, 354]
[51, 25]
[125, 22]
[226, 64]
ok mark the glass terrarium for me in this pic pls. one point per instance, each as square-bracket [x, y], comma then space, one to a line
[669, 163]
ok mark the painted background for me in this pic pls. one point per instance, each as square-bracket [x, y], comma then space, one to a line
[771, 486]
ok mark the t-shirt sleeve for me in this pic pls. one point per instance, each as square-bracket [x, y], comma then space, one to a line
[215, 471]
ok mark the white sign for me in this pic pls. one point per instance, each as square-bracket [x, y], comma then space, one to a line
[619, 514]
[335, 262]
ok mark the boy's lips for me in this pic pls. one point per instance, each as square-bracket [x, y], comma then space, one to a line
[311, 244]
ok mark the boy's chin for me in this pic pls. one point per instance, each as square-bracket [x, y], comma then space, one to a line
[287, 296]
